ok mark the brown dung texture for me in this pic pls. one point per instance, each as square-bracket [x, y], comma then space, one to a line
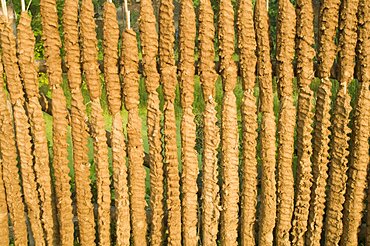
[120, 182]
[210, 192]
[208, 77]
[188, 128]
[305, 54]
[169, 80]
[52, 44]
[28, 71]
[229, 128]
[340, 130]
[149, 47]
[23, 139]
[111, 36]
[29, 75]
[91, 71]
[268, 127]
[89, 48]
[4, 227]
[248, 60]
[327, 52]
[130, 62]
[79, 132]
[10, 170]
[285, 180]
[359, 159]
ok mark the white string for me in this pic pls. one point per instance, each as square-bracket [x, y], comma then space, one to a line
[4, 8]
[29, 4]
[127, 15]
[23, 5]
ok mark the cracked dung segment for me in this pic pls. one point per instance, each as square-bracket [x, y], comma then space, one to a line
[111, 36]
[321, 133]
[188, 128]
[22, 136]
[208, 77]
[286, 124]
[149, 46]
[229, 129]
[85, 213]
[268, 127]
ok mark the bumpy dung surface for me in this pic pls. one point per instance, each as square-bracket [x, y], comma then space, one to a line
[52, 45]
[111, 36]
[188, 127]
[80, 135]
[79, 125]
[327, 51]
[10, 170]
[72, 48]
[305, 54]
[4, 227]
[268, 198]
[52, 42]
[339, 145]
[60, 162]
[23, 139]
[229, 132]
[135, 143]
[26, 41]
[169, 80]
[29, 76]
[149, 46]
[208, 77]
[89, 48]
[85, 212]
[286, 124]
[359, 159]
[102, 171]
[210, 193]
[91, 71]
[120, 182]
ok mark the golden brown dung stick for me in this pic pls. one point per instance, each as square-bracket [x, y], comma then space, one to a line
[268, 127]
[29, 75]
[208, 77]
[149, 46]
[111, 36]
[91, 71]
[327, 53]
[229, 132]
[23, 138]
[305, 55]
[10, 170]
[168, 78]
[130, 61]
[285, 180]
[340, 134]
[248, 60]
[359, 157]
[85, 212]
[4, 227]
[188, 127]
[52, 44]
